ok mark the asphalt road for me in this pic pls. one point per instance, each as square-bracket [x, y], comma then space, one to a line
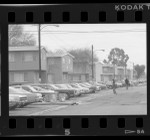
[127, 102]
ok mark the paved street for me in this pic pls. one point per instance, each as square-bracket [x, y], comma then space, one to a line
[127, 102]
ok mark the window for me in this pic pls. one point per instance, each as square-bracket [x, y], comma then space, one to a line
[51, 61]
[69, 61]
[27, 57]
[63, 60]
[50, 78]
[107, 70]
[43, 57]
[27, 89]
[65, 76]
[34, 57]
[11, 58]
[36, 77]
[18, 77]
[25, 76]
[11, 77]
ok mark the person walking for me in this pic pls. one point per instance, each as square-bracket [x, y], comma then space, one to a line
[114, 86]
[127, 83]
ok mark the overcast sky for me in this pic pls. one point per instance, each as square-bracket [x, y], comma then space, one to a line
[129, 37]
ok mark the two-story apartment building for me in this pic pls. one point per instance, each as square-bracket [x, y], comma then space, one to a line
[24, 64]
[81, 71]
[59, 67]
[106, 72]
[120, 73]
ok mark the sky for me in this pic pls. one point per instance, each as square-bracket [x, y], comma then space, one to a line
[129, 37]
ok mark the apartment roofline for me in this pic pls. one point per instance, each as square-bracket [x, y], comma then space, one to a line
[26, 48]
[53, 55]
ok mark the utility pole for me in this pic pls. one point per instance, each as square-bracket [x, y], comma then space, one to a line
[39, 35]
[92, 65]
[133, 71]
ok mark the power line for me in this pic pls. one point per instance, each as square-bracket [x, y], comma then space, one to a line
[63, 32]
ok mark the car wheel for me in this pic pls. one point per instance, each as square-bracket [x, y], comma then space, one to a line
[62, 97]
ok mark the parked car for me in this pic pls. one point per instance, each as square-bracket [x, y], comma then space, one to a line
[102, 85]
[78, 91]
[95, 85]
[109, 84]
[133, 82]
[91, 88]
[119, 84]
[62, 94]
[29, 88]
[22, 99]
[47, 94]
[31, 98]
[99, 85]
[70, 92]
[13, 102]
[83, 89]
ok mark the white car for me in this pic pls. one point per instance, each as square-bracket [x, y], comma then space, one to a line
[21, 99]
[29, 88]
[84, 89]
[119, 84]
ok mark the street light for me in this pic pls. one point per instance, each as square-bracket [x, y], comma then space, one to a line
[39, 40]
[92, 61]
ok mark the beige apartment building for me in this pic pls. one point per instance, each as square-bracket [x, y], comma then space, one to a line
[106, 72]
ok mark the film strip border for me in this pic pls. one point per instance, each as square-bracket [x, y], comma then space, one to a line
[77, 125]
[87, 125]
[84, 13]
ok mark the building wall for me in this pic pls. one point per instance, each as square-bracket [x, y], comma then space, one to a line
[19, 62]
[23, 76]
[106, 78]
[104, 72]
[81, 67]
[54, 69]
[120, 73]
[67, 63]
[98, 72]
[81, 72]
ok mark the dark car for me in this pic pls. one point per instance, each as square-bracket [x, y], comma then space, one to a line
[91, 87]
[61, 91]
[63, 88]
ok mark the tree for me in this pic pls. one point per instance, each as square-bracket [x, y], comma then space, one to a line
[117, 57]
[139, 70]
[18, 38]
[105, 61]
[83, 55]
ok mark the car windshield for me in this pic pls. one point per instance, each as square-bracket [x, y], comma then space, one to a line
[38, 88]
[59, 86]
[83, 85]
[29, 88]
[14, 90]
[53, 86]
[65, 86]
[69, 86]
[46, 87]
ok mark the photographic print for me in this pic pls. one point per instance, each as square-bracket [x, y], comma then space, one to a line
[77, 69]
[0, 71]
